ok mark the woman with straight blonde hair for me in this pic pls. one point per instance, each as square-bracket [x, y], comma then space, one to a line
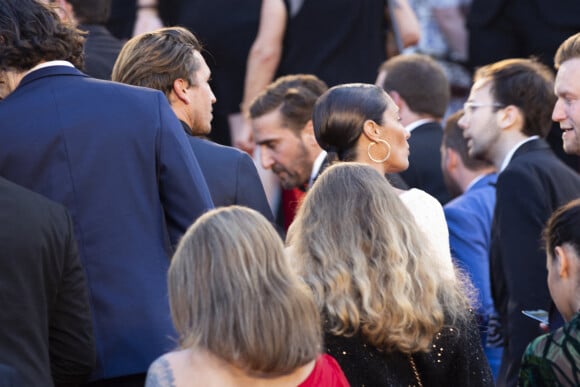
[243, 316]
[390, 318]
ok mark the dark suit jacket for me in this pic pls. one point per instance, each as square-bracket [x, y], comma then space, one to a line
[231, 175]
[9, 377]
[563, 13]
[101, 51]
[424, 170]
[532, 186]
[46, 333]
[117, 158]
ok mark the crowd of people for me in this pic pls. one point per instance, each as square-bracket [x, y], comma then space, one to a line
[409, 239]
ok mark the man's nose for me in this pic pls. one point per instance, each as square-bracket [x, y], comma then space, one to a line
[462, 122]
[266, 157]
[558, 114]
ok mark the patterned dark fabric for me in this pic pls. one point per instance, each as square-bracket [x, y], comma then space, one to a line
[554, 358]
[456, 359]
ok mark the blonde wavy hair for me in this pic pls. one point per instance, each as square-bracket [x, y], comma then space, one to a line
[233, 293]
[361, 252]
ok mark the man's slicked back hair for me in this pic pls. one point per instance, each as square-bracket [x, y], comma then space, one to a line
[156, 59]
[570, 49]
[295, 95]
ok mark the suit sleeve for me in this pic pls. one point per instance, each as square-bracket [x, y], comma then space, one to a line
[469, 249]
[249, 189]
[521, 211]
[183, 191]
[72, 345]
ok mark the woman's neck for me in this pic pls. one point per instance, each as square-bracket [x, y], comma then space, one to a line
[363, 158]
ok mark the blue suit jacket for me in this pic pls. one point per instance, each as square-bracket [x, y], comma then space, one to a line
[469, 219]
[117, 158]
[230, 174]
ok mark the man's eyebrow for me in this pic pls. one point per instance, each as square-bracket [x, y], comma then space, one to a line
[267, 141]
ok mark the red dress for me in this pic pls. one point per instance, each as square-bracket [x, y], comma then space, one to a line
[326, 373]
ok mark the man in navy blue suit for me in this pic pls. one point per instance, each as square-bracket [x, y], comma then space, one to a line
[469, 215]
[117, 158]
[505, 119]
[170, 60]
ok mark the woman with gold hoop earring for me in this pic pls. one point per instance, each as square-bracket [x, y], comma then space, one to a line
[360, 122]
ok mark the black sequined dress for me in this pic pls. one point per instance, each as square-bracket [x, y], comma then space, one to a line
[456, 359]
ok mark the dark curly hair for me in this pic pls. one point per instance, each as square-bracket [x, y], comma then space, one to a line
[31, 33]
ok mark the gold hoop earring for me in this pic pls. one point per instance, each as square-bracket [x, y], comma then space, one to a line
[387, 146]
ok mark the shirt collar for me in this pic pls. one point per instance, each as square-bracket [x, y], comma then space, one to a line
[49, 64]
[316, 166]
[510, 154]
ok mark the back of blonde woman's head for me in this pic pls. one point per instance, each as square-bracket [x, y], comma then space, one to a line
[361, 252]
[233, 293]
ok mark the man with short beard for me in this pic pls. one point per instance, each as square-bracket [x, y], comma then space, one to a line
[282, 124]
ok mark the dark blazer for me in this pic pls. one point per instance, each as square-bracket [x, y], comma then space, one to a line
[9, 377]
[46, 333]
[532, 186]
[117, 158]
[563, 13]
[231, 175]
[101, 51]
[424, 170]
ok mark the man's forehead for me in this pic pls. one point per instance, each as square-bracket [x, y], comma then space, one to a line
[270, 125]
[481, 87]
[568, 78]
[203, 68]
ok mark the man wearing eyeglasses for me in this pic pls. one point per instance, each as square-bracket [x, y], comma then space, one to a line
[506, 117]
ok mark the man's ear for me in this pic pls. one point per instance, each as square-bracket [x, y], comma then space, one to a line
[450, 158]
[180, 86]
[509, 117]
[396, 97]
[562, 261]
[307, 134]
